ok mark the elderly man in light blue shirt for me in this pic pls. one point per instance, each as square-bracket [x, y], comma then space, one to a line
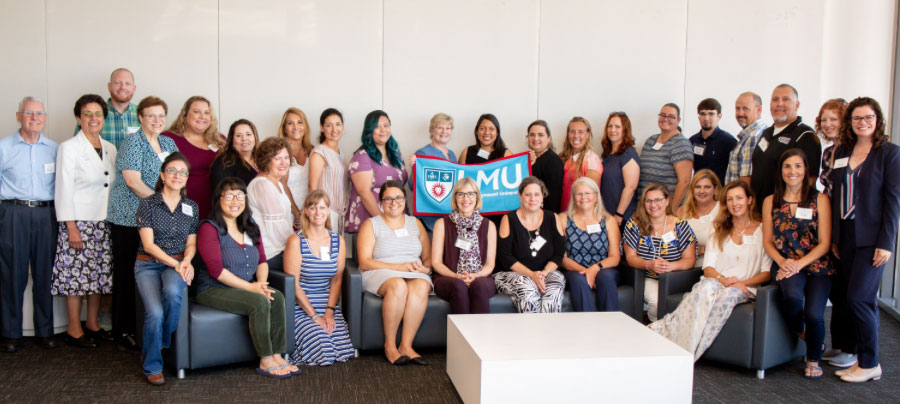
[27, 226]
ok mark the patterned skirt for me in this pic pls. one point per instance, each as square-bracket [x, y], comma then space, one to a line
[87, 271]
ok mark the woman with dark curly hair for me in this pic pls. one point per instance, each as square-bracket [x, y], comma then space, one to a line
[270, 202]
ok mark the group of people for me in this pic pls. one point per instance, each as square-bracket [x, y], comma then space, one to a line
[135, 207]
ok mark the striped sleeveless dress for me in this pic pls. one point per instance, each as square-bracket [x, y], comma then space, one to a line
[314, 346]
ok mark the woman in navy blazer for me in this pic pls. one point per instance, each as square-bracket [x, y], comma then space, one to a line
[866, 209]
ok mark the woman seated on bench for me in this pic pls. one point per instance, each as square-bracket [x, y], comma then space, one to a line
[391, 249]
[734, 264]
[463, 252]
[236, 277]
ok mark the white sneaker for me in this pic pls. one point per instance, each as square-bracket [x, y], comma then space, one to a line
[830, 354]
[843, 360]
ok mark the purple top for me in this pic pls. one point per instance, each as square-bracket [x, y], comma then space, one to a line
[199, 188]
[381, 173]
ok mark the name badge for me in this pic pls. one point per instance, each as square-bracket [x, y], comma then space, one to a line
[463, 244]
[213, 148]
[85, 157]
[324, 253]
[484, 153]
[698, 150]
[749, 239]
[763, 144]
[841, 162]
[162, 156]
[132, 129]
[593, 228]
[401, 232]
[538, 243]
[784, 139]
[187, 209]
[668, 237]
[657, 146]
[803, 213]
[49, 168]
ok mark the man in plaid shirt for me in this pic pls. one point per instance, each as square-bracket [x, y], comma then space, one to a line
[748, 113]
[121, 114]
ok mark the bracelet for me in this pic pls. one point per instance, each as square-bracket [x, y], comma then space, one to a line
[718, 278]
[622, 215]
[315, 317]
[333, 308]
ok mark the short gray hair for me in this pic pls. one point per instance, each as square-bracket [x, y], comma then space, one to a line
[756, 98]
[29, 99]
[786, 85]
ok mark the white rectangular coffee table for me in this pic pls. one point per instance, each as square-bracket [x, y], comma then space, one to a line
[564, 358]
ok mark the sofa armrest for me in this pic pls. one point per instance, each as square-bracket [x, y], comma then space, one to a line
[675, 282]
[286, 284]
[634, 278]
[351, 301]
[773, 342]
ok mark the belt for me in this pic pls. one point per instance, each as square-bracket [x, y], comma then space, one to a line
[145, 257]
[30, 204]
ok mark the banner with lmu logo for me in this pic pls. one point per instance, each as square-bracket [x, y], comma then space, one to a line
[433, 180]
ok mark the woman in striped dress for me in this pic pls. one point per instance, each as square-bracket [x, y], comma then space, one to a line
[315, 257]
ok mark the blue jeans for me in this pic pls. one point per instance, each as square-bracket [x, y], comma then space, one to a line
[162, 291]
[803, 304]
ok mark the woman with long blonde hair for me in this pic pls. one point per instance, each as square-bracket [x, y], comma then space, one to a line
[578, 156]
[701, 205]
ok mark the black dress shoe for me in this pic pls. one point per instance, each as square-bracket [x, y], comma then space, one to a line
[99, 335]
[11, 345]
[403, 360]
[127, 343]
[418, 361]
[83, 341]
[48, 342]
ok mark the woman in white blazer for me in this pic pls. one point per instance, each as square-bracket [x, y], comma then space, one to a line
[85, 170]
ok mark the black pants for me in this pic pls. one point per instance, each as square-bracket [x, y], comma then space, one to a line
[862, 285]
[27, 239]
[125, 241]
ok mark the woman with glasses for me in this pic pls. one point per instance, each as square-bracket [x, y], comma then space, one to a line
[579, 156]
[667, 158]
[866, 208]
[236, 158]
[531, 248]
[137, 169]
[621, 168]
[657, 242]
[236, 275]
[83, 266]
[375, 162]
[168, 228]
[592, 250]
[270, 203]
[797, 236]
[394, 254]
[463, 252]
[546, 164]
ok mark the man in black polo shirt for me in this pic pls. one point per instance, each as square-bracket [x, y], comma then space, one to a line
[787, 133]
[711, 145]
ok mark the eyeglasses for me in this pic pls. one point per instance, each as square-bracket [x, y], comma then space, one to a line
[88, 114]
[29, 113]
[867, 118]
[398, 199]
[230, 197]
[667, 117]
[657, 201]
[173, 171]
[466, 194]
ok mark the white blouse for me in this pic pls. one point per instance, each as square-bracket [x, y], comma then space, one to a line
[742, 261]
[703, 226]
[298, 181]
[271, 209]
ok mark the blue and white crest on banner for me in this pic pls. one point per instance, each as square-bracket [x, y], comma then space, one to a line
[439, 183]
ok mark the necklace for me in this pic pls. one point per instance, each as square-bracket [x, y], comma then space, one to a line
[658, 251]
[532, 245]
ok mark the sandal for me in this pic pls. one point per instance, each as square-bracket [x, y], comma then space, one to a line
[293, 372]
[813, 368]
[268, 372]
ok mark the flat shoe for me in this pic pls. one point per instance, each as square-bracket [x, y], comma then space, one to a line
[418, 361]
[156, 380]
[99, 335]
[268, 372]
[868, 374]
[48, 342]
[81, 342]
[11, 345]
[403, 360]
[293, 373]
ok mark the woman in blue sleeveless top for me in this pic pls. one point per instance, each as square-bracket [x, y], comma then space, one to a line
[592, 250]
[235, 280]
[315, 256]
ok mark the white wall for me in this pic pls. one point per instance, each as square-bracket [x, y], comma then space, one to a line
[521, 60]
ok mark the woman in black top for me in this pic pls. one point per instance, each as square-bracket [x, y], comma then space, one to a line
[488, 145]
[531, 249]
[236, 158]
[545, 163]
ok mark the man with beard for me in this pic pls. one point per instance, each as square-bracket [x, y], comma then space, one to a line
[711, 145]
[787, 133]
[121, 114]
[748, 113]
